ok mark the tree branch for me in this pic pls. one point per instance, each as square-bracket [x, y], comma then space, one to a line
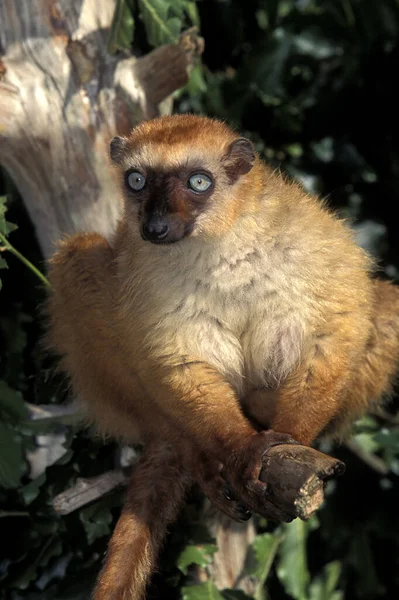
[10, 109]
[88, 490]
[165, 69]
[296, 476]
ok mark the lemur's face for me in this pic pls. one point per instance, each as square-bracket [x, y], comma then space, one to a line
[176, 170]
[169, 200]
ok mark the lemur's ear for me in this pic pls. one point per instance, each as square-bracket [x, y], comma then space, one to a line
[117, 148]
[239, 158]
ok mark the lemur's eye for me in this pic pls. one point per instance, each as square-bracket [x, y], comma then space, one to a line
[199, 182]
[135, 180]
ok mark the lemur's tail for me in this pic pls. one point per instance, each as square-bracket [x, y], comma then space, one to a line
[156, 492]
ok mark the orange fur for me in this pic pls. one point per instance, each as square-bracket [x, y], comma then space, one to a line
[151, 504]
[265, 307]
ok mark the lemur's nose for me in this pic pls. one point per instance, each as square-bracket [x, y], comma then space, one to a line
[155, 230]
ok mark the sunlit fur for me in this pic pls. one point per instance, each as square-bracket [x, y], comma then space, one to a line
[267, 305]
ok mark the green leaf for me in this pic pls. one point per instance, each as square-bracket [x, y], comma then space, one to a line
[3, 210]
[387, 439]
[292, 567]
[196, 84]
[96, 519]
[196, 555]
[161, 27]
[10, 227]
[5, 227]
[12, 464]
[264, 549]
[235, 595]
[323, 587]
[122, 27]
[367, 442]
[366, 423]
[192, 12]
[3, 263]
[204, 591]
[31, 491]
[12, 405]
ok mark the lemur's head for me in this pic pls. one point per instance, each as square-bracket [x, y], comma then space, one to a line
[181, 176]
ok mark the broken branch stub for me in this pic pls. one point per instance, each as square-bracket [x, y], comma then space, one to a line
[296, 476]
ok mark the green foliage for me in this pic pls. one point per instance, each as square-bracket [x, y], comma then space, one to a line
[264, 549]
[323, 587]
[122, 27]
[163, 21]
[312, 83]
[5, 229]
[292, 568]
[12, 464]
[196, 555]
[97, 519]
[12, 406]
[204, 591]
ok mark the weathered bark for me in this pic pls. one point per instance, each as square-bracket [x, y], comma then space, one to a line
[296, 476]
[227, 569]
[87, 490]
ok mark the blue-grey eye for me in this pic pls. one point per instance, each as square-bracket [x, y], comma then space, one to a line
[199, 182]
[135, 180]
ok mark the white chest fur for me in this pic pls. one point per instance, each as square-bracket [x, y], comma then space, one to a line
[242, 311]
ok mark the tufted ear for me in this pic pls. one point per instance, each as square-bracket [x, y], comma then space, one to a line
[117, 149]
[239, 158]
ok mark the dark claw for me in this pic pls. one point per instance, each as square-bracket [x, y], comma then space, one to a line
[228, 493]
[245, 514]
[289, 519]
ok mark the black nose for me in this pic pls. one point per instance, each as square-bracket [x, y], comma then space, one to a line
[155, 230]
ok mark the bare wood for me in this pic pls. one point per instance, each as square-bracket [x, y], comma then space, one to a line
[158, 82]
[10, 108]
[87, 490]
[227, 569]
[296, 476]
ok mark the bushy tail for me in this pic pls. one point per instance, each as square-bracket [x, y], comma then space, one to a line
[155, 494]
[374, 378]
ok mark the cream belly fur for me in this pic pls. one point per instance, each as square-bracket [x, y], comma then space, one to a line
[240, 308]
